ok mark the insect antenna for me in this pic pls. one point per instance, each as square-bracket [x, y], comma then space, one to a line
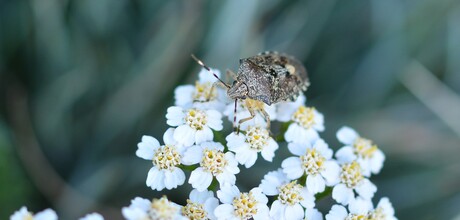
[209, 69]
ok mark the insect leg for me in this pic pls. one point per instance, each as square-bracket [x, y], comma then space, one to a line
[253, 114]
[266, 117]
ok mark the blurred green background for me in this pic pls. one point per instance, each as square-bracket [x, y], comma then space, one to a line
[82, 80]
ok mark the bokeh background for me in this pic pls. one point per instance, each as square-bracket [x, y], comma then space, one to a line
[82, 80]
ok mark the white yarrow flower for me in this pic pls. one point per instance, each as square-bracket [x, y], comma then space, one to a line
[193, 125]
[24, 214]
[165, 172]
[368, 155]
[292, 197]
[161, 209]
[213, 163]
[93, 216]
[247, 145]
[285, 110]
[314, 161]
[352, 179]
[306, 123]
[200, 205]
[358, 209]
[202, 95]
[238, 205]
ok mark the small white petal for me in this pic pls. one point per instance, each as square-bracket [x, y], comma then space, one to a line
[47, 214]
[345, 155]
[203, 135]
[292, 167]
[225, 212]
[155, 179]
[185, 135]
[342, 194]
[192, 155]
[315, 183]
[313, 214]
[168, 137]
[331, 172]
[337, 212]
[214, 120]
[294, 212]
[92, 216]
[182, 95]
[347, 135]
[200, 179]
[298, 149]
[366, 189]
[377, 161]
[359, 206]
[140, 203]
[175, 116]
[227, 193]
[269, 151]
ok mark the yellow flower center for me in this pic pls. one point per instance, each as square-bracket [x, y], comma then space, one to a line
[196, 119]
[245, 206]
[377, 214]
[213, 161]
[304, 116]
[194, 211]
[356, 217]
[364, 147]
[290, 193]
[312, 162]
[257, 138]
[204, 92]
[351, 174]
[166, 158]
[162, 209]
[28, 216]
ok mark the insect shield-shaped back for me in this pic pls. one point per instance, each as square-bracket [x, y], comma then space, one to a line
[269, 77]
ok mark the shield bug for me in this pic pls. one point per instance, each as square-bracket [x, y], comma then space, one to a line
[268, 77]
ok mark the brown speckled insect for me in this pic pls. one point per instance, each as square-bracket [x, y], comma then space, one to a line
[268, 77]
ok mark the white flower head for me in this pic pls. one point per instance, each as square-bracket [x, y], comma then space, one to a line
[313, 214]
[202, 95]
[292, 197]
[313, 161]
[368, 155]
[243, 112]
[285, 110]
[248, 143]
[306, 123]
[358, 209]
[213, 163]
[24, 214]
[200, 205]
[238, 205]
[193, 125]
[93, 216]
[352, 179]
[144, 209]
[165, 172]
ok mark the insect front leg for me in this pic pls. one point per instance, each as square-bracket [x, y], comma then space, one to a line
[266, 117]
[253, 114]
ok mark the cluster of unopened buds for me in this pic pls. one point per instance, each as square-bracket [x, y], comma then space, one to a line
[290, 192]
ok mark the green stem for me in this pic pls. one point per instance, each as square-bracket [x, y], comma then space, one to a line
[327, 192]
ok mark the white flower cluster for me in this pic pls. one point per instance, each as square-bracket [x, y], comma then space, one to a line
[194, 143]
